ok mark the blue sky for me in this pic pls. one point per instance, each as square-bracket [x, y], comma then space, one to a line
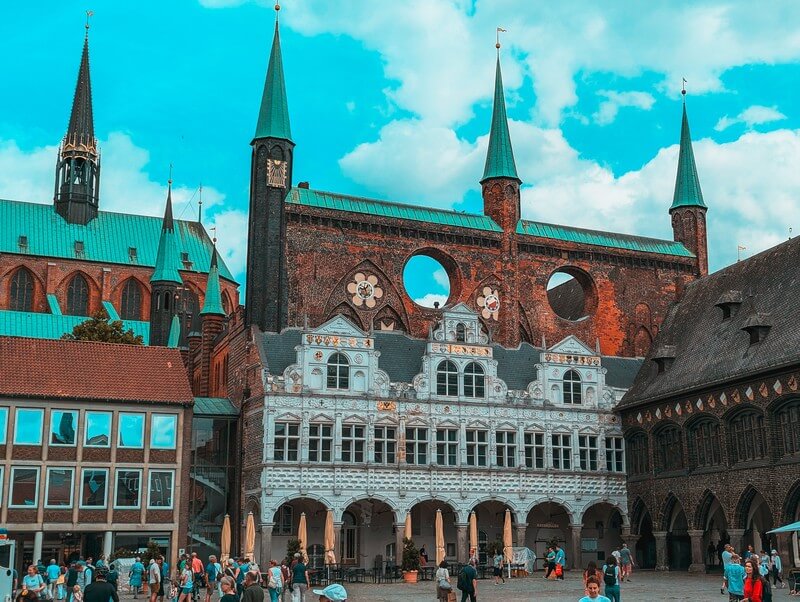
[392, 100]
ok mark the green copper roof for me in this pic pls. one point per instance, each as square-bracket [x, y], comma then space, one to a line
[213, 301]
[273, 118]
[52, 303]
[49, 326]
[214, 406]
[339, 202]
[174, 332]
[167, 263]
[687, 184]
[603, 239]
[120, 238]
[500, 157]
[110, 310]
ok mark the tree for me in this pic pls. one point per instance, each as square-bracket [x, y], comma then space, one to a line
[153, 551]
[292, 548]
[494, 548]
[101, 328]
[410, 555]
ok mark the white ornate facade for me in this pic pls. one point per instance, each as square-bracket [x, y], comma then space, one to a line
[342, 432]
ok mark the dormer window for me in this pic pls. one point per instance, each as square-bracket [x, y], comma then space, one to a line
[338, 372]
[447, 379]
[729, 303]
[133, 255]
[461, 333]
[757, 326]
[78, 248]
[572, 387]
[22, 242]
[664, 357]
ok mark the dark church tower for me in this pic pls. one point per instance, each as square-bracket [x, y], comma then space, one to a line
[688, 210]
[78, 169]
[165, 283]
[267, 294]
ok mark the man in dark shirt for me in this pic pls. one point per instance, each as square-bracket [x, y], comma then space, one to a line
[71, 580]
[468, 583]
[100, 590]
[252, 588]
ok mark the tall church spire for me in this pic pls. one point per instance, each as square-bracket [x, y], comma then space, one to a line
[165, 283]
[166, 269]
[500, 157]
[78, 170]
[213, 300]
[687, 184]
[273, 117]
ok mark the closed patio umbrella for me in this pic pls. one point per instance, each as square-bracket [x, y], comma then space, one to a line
[408, 528]
[225, 540]
[439, 537]
[508, 550]
[330, 539]
[473, 533]
[250, 537]
[302, 535]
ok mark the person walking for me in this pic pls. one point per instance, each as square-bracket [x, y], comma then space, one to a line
[154, 579]
[777, 569]
[591, 571]
[84, 576]
[71, 580]
[253, 592]
[228, 586]
[286, 577]
[274, 581]
[497, 567]
[186, 583]
[166, 584]
[33, 581]
[611, 579]
[212, 576]
[593, 591]
[100, 590]
[754, 584]
[113, 576]
[443, 585]
[561, 561]
[135, 577]
[468, 583]
[626, 559]
[733, 579]
[300, 581]
[550, 561]
[725, 558]
[53, 572]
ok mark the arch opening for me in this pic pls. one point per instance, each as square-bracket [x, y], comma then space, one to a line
[571, 294]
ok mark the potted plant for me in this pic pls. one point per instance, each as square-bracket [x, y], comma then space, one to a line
[410, 564]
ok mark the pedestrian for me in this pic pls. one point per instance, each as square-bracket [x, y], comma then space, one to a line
[61, 590]
[725, 558]
[198, 570]
[468, 583]
[135, 577]
[77, 593]
[333, 593]
[550, 560]
[777, 568]
[228, 587]
[765, 567]
[591, 571]
[423, 556]
[593, 591]
[253, 591]
[33, 581]
[497, 567]
[561, 559]
[626, 558]
[186, 583]
[100, 590]
[53, 572]
[166, 584]
[748, 553]
[754, 584]
[711, 552]
[300, 581]
[473, 557]
[286, 577]
[113, 576]
[611, 579]
[71, 580]
[443, 585]
[84, 575]
[734, 578]
[154, 579]
[212, 576]
[274, 581]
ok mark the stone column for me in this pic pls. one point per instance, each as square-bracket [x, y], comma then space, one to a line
[521, 529]
[662, 562]
[400, 530]
[107, 548]
[698, 561]
[736, 539]
[264, 547]
[462, 543]
[574, 558]
[37, 546]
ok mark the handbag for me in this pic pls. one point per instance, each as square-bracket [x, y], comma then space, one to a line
[445, 584]
[451, 596]
[559, 570]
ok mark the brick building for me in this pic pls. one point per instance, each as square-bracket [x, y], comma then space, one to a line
[94, 447]
[712, 421]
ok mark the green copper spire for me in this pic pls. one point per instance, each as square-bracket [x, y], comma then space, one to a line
[273, 118]
[500, 158]
[174, 332]
[213, 301]
[166, 269]
[687, 184]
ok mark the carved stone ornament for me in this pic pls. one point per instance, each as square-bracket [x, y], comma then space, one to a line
[489, 302]
[365, 290]
[276, 173]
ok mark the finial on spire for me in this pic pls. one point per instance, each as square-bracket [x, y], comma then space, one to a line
[89, 13]
[277, 11]
[497, 38]
[169, 182]
[683, 89]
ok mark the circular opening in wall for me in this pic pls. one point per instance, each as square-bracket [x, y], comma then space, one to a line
[426, 281]
[571, 294]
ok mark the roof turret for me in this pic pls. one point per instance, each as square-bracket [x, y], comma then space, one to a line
[500, 156]
[167, 265]
[212, 305]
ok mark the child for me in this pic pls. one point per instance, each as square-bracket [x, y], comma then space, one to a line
[77, 594]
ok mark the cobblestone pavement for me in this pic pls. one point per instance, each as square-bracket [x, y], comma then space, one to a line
[646, 587]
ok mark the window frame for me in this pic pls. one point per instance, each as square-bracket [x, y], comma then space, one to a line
[535, 452]
[76, 415]
[82, 505]
[588, 452]
[71, 301]
[38, 471]
[2, 480]
[350, 441]
[316, 442]
[131, 288]
[461, 333]
[615, 453]
[4, 412]
[138, 505]
[638, 454]
[747, 431]
[788, 425]
[668, 446]
[120, 417]
[474, 381]
[26, 295]
[572, 388]
[383, 441]
[563, 443]
[157, 415]
[17, 422]
[417, 445]
[704, 444]
[150, 474]
[339, 371]
[86, 428]
[477, 446]
[47, 503]
[447, 441]
[505, 450]
[286, 440]
[280, 525]
[447, 378]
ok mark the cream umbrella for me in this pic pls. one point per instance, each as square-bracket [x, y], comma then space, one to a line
[225, 540]
[439, 537]
[508, 551]
[407, 532]
[302, 535]
[250, 537]
[330, 539]
[473, 534]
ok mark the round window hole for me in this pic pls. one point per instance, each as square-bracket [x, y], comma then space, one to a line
[570, 294]
[426, 281]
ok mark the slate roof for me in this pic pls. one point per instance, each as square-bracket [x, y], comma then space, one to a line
[106, 239]
[401, 359]
[54, 369]
[710, 351]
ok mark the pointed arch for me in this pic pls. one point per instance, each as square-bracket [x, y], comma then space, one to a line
[77, 296]
[703, 512]
[21, 290]
[642, 342]
[390, 296]
[639, 511]
[743, 506]
[389, 319]
[345, 310]
[791, 507]
[131, 298]
[671, 508]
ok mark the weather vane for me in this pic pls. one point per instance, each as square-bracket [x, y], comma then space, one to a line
[89, 13]
[214, 238]
[170, 173]
[683, 86]
[497, 42]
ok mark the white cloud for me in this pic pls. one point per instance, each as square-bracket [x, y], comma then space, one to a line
[751, 116]
[441, 278]
[430, 299]
[231, 232]
[609, 108]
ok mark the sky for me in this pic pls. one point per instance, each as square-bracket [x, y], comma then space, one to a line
[392, 100]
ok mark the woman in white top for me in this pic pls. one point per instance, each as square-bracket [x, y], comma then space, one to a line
[443, 586]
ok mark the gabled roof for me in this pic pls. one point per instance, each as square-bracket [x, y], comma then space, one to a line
[500, 156]
[120, 238]
[273, 117]
[53, 326]
[687, 183]
[55, 369]
[603, 239]
[708, 350]
[353, 204]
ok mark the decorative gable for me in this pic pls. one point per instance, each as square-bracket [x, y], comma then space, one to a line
[341, 326]
[572, 346]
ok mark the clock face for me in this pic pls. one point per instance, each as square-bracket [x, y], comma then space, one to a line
[276, 173]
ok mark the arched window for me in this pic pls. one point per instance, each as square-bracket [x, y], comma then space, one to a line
[20, 295]
[461, 333]
[572, 387]
[338, 372]
[638, 454]
[447, 379]
[474, 381]
[747, 437]
[131, 303]
[788, 419]
[704, 443]
[78, 296]
[669, 449]
[191, 308]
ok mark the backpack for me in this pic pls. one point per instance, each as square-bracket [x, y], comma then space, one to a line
[610, 578]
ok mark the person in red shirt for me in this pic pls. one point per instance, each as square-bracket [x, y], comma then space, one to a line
[753, 583]
[199, 570]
